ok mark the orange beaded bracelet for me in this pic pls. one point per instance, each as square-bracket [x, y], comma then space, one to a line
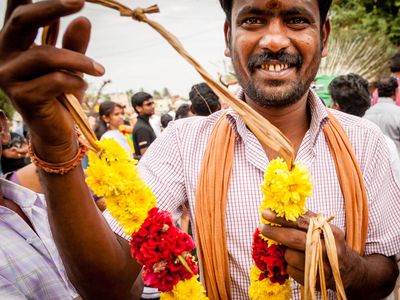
[58, 168]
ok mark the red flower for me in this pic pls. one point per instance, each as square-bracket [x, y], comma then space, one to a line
[157, 245]
[164, 275]
[270, 259]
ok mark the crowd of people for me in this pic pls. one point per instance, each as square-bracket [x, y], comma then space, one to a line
[57, 243]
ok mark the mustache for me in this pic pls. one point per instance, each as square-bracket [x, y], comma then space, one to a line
[266, 57]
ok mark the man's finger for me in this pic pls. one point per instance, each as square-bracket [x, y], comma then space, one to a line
[45, 89]
[11, 5]
[290, 237]
[295, 258]
[301, 223]
[77, 35]
[40, 60]
[21, 29]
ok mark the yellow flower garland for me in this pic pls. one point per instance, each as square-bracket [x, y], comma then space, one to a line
[285, 192]
[113, 174]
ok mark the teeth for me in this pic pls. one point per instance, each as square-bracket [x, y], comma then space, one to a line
[275, 68]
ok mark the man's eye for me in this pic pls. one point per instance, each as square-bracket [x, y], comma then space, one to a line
[297, 21]
[252, 21]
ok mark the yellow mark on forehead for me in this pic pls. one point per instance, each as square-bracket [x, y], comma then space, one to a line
[273, 4]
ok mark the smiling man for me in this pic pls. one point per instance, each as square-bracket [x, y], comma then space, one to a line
[276, 47]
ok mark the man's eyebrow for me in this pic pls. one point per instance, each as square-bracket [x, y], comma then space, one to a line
[253, 10]
[294, 11]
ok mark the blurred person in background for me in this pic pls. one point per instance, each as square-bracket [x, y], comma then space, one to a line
[183, 111]
[165, 119]
[386, 114]
[15, 153]
[111, 120]
[143, 132]
[204, 100]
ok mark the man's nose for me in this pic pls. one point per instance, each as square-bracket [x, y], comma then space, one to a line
[274, 37]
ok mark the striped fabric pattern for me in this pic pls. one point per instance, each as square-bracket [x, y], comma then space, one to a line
[30, 265]
[172, 164]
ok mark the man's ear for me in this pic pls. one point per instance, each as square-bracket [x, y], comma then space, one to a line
[227, 33]
[138, 109]
[326, 30]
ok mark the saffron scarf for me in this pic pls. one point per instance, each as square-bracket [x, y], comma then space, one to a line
[212, 194]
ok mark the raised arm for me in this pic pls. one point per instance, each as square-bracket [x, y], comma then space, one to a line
[98, 263]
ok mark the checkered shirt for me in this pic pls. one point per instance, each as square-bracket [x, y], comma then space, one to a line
[30, 266]
[172, 164]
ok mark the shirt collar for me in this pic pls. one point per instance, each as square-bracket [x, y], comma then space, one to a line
[23, 197]
[386, 100]
[319, 117]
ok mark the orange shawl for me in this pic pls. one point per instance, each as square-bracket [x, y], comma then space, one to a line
[212, 191]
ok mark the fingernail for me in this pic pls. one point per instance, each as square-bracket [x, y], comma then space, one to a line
[262, 228]
[268, 215]
[99, 68]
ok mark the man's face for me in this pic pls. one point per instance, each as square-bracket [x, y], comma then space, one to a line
[147, 109]
[276, 47]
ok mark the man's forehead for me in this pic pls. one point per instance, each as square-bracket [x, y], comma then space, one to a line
[274, 4]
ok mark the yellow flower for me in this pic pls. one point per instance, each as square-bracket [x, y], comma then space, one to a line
[265, 289]
[285, 191]
[113, 174]
[186, 289]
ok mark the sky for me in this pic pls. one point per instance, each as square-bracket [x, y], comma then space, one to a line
[136, 56]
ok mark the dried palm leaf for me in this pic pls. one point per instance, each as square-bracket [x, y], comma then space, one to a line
[350, 52]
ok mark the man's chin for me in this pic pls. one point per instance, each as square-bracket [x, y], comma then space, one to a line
[274, 96]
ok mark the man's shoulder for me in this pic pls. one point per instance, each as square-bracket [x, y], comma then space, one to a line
[196, 123]
[354, 125]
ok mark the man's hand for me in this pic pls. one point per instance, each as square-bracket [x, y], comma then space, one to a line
[33, 76]
[97, 262]
[359, 274]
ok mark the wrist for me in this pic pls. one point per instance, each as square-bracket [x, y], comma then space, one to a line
[354, 272]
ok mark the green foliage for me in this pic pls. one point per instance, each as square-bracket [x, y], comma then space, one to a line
[5, 105]
[381, 18]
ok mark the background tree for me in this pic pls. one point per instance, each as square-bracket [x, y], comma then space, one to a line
[5, 105]
[370, 17]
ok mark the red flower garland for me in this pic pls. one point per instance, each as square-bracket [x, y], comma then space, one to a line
[161, 247]
[270, 259]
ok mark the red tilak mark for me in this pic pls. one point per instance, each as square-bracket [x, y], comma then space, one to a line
[273, 4]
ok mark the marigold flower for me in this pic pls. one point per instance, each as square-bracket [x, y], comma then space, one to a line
[266, 289]
[186, 289]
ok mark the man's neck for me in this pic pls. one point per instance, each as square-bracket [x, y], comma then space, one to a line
[293, 121]
[396, 74]
[145, 117]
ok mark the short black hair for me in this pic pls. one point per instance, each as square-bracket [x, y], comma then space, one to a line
[395, 63]
[138, 99]
[387, 87]
[351, 93]
[324, 6]
[182, 111]
[165, 119]
[204, 100]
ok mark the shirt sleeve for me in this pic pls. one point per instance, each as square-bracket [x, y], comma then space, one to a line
[383, 194]
[143, 138]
